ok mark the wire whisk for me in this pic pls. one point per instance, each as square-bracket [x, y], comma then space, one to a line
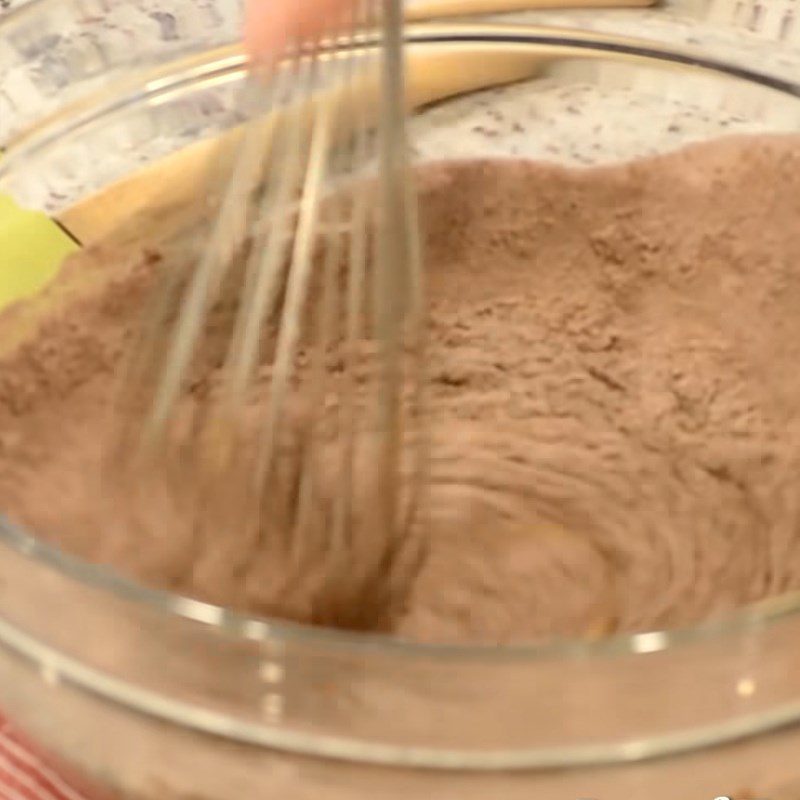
[280, 374]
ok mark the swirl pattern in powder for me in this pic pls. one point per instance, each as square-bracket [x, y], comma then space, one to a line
[613, 400]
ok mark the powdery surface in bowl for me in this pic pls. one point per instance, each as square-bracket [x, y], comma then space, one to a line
[614, 400]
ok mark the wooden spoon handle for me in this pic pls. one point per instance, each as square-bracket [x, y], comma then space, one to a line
[429, 9]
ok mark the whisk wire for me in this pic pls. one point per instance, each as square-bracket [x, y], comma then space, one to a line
[298, 285]
[215, 261]
[325, 263]
[267, 262]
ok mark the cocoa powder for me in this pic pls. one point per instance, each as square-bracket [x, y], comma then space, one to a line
[613, 398]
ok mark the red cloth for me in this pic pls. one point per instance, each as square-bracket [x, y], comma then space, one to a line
[25, 774]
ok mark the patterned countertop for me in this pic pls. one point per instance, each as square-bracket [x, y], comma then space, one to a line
[570, 119]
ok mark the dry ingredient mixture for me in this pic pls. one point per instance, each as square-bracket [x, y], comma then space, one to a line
[614, 400]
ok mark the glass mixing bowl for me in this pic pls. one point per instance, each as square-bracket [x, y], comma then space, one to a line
[151, 695]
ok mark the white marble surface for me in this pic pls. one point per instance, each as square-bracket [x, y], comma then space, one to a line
[576, 115]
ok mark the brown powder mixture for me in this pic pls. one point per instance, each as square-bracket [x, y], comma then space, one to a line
[614, 398]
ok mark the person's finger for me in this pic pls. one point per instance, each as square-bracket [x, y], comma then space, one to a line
[271, 24]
